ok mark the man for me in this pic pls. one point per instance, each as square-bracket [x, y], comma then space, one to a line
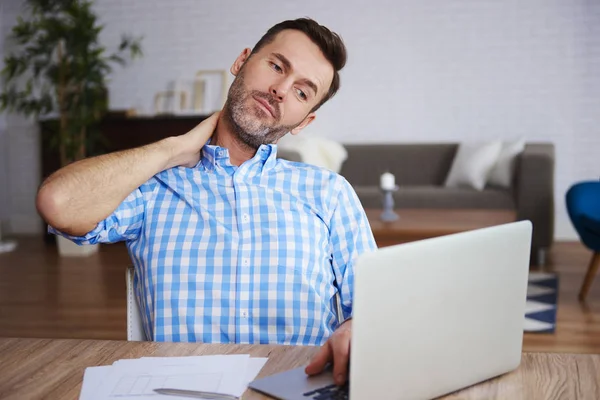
[229, 243]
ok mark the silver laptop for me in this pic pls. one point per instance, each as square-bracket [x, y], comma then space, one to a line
[430, 317]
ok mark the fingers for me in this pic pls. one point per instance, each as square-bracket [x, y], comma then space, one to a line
[210, 123]
[212, 120]
[337, 349]
[320, 360]
[207, 126]
[341, 356]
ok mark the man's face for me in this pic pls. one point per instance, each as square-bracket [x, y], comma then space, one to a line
[275, 89]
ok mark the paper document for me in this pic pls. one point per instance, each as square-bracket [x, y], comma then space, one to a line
[92, 378]
[136, 379]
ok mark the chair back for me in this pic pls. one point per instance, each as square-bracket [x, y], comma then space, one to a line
[135, 326]
[583, 206]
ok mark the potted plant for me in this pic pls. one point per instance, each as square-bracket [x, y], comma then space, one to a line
[59, 69]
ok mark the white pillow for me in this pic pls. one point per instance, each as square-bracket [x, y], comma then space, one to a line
[502, 173]
[316, 150]
[472, 164]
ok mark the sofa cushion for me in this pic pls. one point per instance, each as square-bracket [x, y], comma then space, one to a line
[411, 164]
[438, 197]
[314, 150]
[503, 172]
[472, 164]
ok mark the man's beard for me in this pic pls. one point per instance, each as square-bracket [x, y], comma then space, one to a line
[247, 120]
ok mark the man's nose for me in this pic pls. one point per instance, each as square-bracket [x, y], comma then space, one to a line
[279, 91]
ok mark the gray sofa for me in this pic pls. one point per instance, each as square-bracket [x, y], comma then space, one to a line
[421, 169]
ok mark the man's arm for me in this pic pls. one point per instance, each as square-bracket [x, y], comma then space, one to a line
[77, 197]
[350, 236]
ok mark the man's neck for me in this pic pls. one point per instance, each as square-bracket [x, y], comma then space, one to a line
[224, 137]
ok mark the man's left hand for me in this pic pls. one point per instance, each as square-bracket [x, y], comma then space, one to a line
[336, 349]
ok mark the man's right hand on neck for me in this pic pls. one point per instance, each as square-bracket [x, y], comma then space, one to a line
[78, 196]
[186, 149]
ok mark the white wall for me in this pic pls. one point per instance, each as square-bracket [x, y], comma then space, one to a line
[3, 145]
[418, 70]
[19, 151]
[4, 195]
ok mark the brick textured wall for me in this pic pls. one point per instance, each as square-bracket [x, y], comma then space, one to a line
[417, 71]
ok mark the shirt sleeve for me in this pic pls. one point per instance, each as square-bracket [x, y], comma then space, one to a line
[125, 223]
[350, 236]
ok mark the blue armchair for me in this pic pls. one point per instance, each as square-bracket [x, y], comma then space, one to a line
[583, 206]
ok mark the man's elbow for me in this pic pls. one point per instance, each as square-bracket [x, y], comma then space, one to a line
[53, 207]
[49, 205]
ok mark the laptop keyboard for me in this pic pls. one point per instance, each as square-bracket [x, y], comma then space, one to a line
[331, 392]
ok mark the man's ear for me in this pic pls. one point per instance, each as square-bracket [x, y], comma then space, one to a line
[239, 62]
[309, 118]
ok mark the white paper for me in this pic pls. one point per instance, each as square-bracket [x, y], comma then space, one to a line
[92, 378]
[237, 359]
[137, 379]
[182, 361]
[254, 366]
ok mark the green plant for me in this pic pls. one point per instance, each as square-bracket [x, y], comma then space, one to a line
[58, 67]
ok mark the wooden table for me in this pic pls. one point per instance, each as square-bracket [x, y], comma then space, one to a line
[53, 368]
[418, 224]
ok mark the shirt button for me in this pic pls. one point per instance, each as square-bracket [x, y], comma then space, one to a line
[245, 218]
[244, 313]
[246, 262]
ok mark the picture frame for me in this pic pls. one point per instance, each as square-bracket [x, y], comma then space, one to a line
[210, 90]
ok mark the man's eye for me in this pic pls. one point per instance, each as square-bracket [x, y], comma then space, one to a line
[276, 67]
[301, 94]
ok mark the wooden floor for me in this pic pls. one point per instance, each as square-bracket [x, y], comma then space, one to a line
[43, 295]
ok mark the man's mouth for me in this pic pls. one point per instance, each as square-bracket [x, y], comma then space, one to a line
[265, 104]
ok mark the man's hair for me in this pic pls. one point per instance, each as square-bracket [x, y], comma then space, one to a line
[329, 42]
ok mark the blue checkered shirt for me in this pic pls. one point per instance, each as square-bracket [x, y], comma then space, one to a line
[248, 254]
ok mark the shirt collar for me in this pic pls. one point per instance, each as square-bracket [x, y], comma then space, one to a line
[216, 157]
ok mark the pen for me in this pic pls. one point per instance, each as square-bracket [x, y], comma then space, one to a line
[196, 394]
